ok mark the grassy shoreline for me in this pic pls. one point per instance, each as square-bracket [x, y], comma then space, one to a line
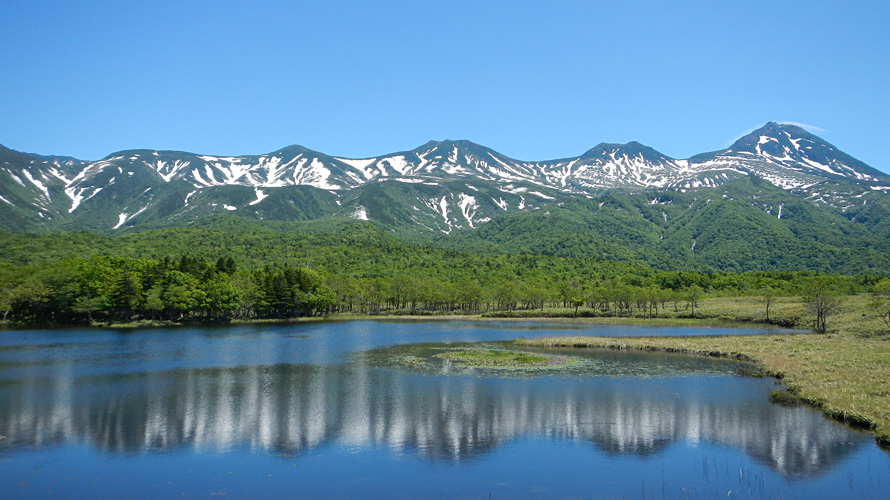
[664, 321]
[845, 373]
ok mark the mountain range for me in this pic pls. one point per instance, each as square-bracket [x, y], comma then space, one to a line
[628, 201]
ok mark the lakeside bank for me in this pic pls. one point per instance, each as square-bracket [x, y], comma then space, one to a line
[844, 372]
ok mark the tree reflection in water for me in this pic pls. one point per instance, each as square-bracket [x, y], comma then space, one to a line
[292, 408]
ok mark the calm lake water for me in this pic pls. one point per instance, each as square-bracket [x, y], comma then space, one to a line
[326, 410]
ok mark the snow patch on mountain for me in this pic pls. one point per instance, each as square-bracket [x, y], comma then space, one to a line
[360, 213]
[315, 175]
[121, 219]
[168, 170]
[231, 169]
[189, 196]
[542, 195]
[397, 163]
[124, 216]
[76, 196]
[196, 174]
[41, 186]
[94, 193]
[362, 166]
[439, 206]
[260, 196]
[508, 172]
[17, 179]
[512, 189]
[59, 175]
[468, 207]
[560, 173]
[274, 168]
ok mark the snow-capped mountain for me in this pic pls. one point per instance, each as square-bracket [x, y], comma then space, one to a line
[440, 186]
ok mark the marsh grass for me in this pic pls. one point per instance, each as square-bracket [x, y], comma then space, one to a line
[845, 372]
[496, 358]
[784, 397]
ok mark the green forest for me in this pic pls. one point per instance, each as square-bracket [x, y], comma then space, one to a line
[232, 269]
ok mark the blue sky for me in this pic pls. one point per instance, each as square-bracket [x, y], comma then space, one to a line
[533, 80]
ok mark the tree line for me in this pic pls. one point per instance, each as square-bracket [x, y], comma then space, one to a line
[124, 289]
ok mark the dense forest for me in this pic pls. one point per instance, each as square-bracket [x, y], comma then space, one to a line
[234, 270]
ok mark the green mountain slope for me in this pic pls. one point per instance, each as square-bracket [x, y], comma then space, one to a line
[744, 225]
[778, 198]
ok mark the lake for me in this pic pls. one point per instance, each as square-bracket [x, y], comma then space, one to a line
[327, 410]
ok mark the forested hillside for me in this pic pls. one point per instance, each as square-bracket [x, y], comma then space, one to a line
[744, 225]
[232, 268]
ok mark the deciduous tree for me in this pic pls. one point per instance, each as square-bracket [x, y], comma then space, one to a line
[821, 302]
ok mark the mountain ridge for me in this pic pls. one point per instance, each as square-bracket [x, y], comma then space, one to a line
[453, 186]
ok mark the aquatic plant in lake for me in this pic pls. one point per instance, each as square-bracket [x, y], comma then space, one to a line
[482, 357]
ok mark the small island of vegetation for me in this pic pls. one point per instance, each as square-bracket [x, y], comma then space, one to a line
[478, 357]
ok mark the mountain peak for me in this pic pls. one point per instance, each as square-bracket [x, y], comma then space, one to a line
[793, 147]
[632, 148]
[460, 143]
[775, 139]
[777, 130]
[449, 146]
[293, 149]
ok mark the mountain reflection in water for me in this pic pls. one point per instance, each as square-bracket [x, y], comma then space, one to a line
[291, 408]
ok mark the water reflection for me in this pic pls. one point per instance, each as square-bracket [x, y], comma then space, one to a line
[288, 408]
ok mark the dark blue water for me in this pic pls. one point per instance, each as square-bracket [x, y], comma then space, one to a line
[310, 411]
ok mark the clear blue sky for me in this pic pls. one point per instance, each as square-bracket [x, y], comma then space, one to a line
[533, 80]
